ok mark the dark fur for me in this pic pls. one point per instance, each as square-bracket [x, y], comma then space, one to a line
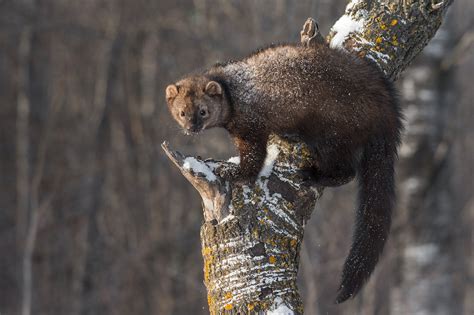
[338, 104]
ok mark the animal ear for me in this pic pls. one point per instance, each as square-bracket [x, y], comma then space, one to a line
[213, 88]
[171, 92]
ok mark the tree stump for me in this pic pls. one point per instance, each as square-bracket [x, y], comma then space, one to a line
[252, 235]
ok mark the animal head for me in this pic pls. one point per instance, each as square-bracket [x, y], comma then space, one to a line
[197, 103]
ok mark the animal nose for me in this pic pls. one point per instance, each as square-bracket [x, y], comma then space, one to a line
[191, 119]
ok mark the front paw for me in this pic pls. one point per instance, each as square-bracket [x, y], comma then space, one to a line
[232, 172]
[228, 171]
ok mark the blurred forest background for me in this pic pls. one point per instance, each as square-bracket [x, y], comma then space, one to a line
[95, 220]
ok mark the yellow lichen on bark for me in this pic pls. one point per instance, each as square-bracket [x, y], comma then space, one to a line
[272, 260]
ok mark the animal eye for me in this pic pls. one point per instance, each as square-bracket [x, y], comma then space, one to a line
[182, 113]
[202, 112]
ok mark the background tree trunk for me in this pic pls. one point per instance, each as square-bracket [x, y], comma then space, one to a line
[432, 256]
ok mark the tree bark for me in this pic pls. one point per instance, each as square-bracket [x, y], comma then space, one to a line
[251, 236]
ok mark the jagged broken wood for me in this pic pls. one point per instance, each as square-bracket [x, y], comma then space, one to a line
[252, 235]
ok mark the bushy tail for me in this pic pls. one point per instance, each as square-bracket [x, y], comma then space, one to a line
[373, 217]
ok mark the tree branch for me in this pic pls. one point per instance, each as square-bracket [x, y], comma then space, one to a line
[390, 33]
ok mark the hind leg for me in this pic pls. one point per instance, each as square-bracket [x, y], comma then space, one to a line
[330, 169]
[334, 174]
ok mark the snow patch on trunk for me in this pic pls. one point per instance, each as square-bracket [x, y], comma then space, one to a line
[279, 308]
[272, 154]
[190, 163]
[234, 159]
[343, 27]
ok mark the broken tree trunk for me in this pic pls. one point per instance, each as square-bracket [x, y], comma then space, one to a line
[252, 235]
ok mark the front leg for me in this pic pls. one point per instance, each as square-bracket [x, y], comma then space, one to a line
[252, 152]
